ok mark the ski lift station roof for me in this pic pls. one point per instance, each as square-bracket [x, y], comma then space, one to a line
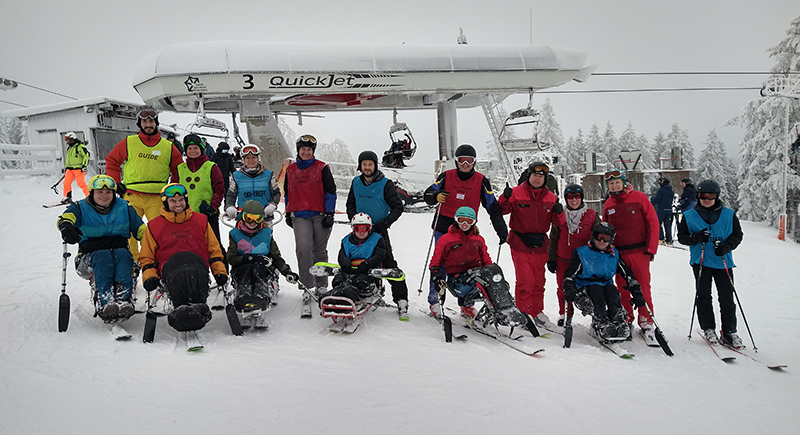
[325, 77]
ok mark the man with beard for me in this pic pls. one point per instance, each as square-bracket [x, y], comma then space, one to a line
[150, 160]
[374, 194]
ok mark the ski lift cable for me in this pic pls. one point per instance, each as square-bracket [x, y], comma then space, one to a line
[45, 90]
[13, 104]
[613, 91]
[667, 73]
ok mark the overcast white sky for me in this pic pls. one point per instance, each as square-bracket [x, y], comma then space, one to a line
[88, 48]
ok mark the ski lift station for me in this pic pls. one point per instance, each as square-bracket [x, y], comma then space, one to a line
[260, 80]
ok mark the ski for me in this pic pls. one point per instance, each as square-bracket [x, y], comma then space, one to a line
[673, 246]
[612, 346]
[744, 352]
[649, 339]
[193, 343]
[392, 274]
[725, 354]
[57, 204]
[305, 313]
[118, 332]
[514, 343]
[345, 326]
[447, 326]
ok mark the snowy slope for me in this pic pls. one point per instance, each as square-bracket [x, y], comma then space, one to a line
[389, 377]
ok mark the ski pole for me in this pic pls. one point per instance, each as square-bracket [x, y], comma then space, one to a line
[497, 258]
[730, 278]
[63, 300]
[430, 245]
[662, 341]
[55, 186]
[696, 289]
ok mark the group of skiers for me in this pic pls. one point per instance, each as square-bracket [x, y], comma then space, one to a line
[181, 240]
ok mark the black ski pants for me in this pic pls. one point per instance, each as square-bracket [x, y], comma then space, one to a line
[185, 277]
[704, 300]
[606, 301]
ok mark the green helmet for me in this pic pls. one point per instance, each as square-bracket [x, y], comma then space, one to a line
[253, 207]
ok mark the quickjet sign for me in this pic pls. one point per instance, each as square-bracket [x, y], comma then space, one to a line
[326, 81]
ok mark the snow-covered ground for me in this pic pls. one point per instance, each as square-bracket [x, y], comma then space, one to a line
[390, 376]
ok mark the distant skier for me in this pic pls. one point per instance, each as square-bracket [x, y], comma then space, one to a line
[178, 248]
[101, 224]
[636, 223]
[75, 162]
[688, 198]
[374, 194]
[224, 160]
[712, 231]
[575, 232]
[662, 203]
[591, 274]
[255, 262]
[461, 187]
[361, 250]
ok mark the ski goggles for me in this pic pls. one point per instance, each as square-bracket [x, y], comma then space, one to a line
[539, 169]
[707, 196]
[171, 190]
[573, 196]
[361, 228]
[306, 139]
[610, 175]
[145, 114]
[193, 141]
[103, 182]
[465, 220]
[251, 218]
[465, 160]
[250, 150]
[602, 238]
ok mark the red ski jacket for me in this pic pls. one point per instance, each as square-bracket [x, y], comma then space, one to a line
[458, 251]
[531, 212]
[634, 220]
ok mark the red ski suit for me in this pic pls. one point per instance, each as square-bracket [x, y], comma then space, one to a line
[636, 225]
[457, 251]
[564, 244]
[531, 213]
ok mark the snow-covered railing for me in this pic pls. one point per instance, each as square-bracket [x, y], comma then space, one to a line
[28, 159]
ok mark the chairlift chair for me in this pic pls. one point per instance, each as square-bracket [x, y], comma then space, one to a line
[403, 144]
[525, 116]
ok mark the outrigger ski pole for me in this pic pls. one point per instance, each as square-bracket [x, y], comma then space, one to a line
[55, 186]
[63, 300]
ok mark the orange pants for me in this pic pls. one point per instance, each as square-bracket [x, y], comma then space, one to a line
[77, 175]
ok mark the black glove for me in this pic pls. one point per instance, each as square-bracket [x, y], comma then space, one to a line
[379, 228]
[83, 169]
[69, 233]
[570, 293]
[206, 209]
[221, 279]
[151, 283]
[720, 249]
[291, 277]
[552, 265]
[507, 192]
[327, 221]
[503, 237]
[558, 208]
[699, 237]
[637, 298]
[288, 219]
[121, 189]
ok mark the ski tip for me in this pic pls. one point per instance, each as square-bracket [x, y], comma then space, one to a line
[404, 319]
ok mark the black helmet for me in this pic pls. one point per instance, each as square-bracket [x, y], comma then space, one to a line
[664, 181]
[603, 228]
[367, 155]
[466, 150]
[306, 140]
[686, 181]
[538, 167]
[193, 139]
[708, 186]
[573, 188]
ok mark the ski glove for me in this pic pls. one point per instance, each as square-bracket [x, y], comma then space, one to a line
[637, 298]
[558, 208]
[327, 221]
[69, 233]
[699, 237]
[231, 212]
[221, 279]
[379, 228]
[507, 192]
[269, 210]
[720, 249]
[570, 293]
[151, 284]
[441, 197]
[121, 189]
[291, 277]
[552, 266]
[288, 220]
[205, 209]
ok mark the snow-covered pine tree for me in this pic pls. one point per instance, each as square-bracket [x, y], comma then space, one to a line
[731, 186]
[594, 143]
[648, 160]
[611, 146]
[714, 165]
[338, 152]
[762, 150]
[548, 131]
[680, 138]
[3, 135]
[659, 150]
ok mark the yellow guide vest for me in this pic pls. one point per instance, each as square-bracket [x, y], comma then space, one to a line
[147, 168]
[197, 184]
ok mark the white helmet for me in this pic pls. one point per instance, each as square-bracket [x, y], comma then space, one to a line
[361, 219]
[71, 135]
